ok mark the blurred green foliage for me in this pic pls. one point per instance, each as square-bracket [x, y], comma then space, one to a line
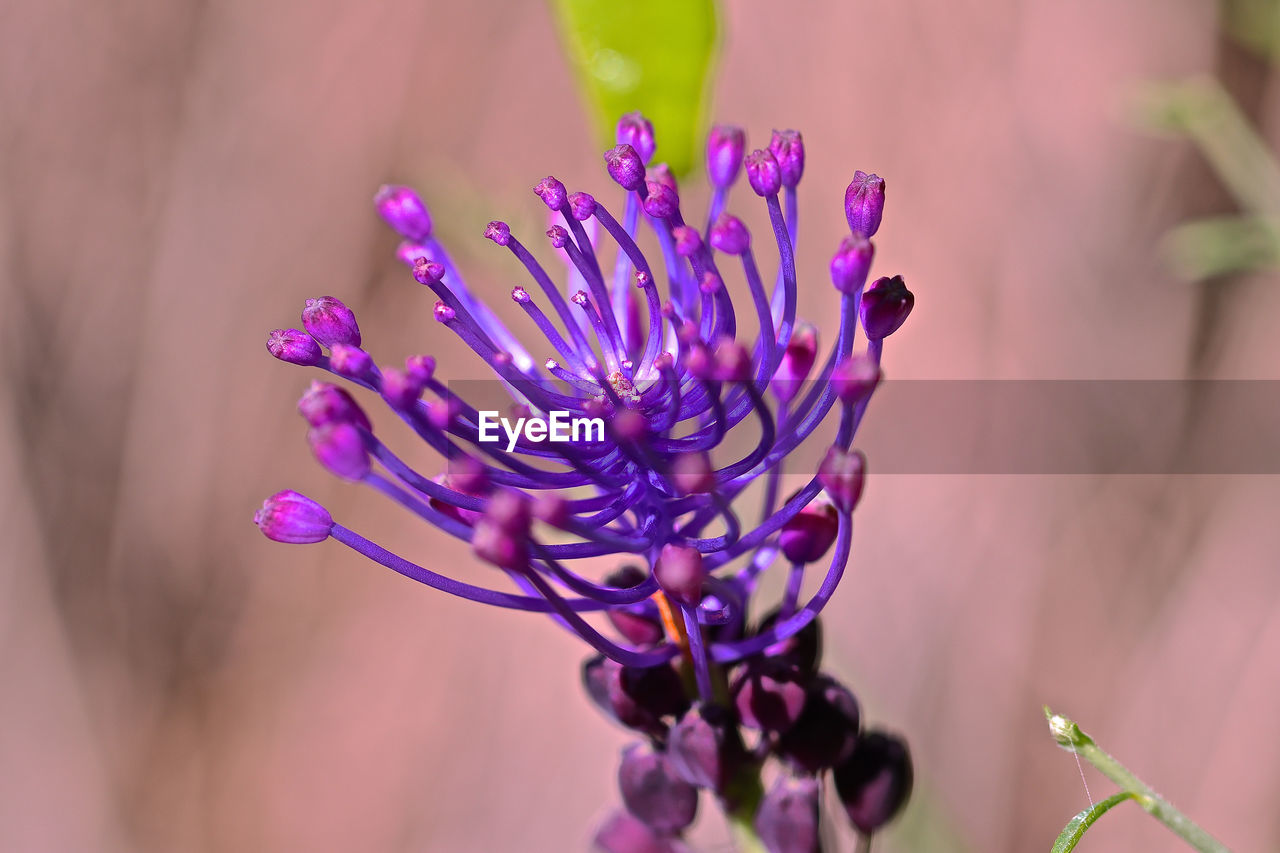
[655, 56]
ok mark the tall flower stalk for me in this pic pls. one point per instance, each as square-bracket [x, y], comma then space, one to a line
[659, 353]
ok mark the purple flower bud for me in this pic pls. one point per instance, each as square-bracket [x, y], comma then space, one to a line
[729, 235]
[400, 388]
[661, 174]
[625, 167]
[638, 698]
[875, 782]
[885, 307]
[443, 313]
[294, 346]
[810, 534]
[551, 509]
[788, 149]
[680, 573]
[710, 282]
[692, 473]
[404, 212]
[801, 651]
[552, 193]
[769, 696]
[733, 361]
[827, 730]
[763, 173]
[581, 206]
[427, 272]
[421, 368]
[325, 403]
[788, 817]
[630, 425]
[797, 361]
[499, 232]
[636, 628]
[408, 251]
[502, 536]
[559, 236]
[340, 448]
[653, 792]
[842, 473]
[350, 361]
[851, 263]
[293, 518]
[636, 130]
[662, 200]
[705, 748]
[688, 240]
[625, 833]
[725, 147]
[330, 322]
[699, 361]
[864, 203]
[855, 378]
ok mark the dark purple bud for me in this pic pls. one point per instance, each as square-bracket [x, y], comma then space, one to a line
[653, 792]
[293, 518]
[559, 236]
[769, 696]
[688, 240]
[763, 173]
[797, 361]
[875, 782]
[638, 698]
[788, 819]
[729, 235]
[509, 510]
[330, 322]
[499, 232]
[325, 403]
[636, 628]
[581, 206]
[404, 212]
[399, 388]
[680, 573]
[826, 732]
[625, 167]
[662, 200]
[692, 473]
[339, 447]
[801, 651]
[851, 263]
[552, 193]
[855, 378]
[705, 748]
[350, 361]
[421, 368]
[497, 544]
[733, 361]
[788, 149]
[427, 272]
[725, 147]
[625, 833]
[885, 307]
[809, 535]
[635, 130]
[864, 203]
[294, 346]
[842, 473]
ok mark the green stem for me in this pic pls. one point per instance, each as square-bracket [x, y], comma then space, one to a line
[742, 828]
[741, 801]
[1069, 736]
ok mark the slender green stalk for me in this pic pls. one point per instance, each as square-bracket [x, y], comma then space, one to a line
[740, 802]
[1069, 736]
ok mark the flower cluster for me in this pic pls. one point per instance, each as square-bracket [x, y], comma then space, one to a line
[714, 694]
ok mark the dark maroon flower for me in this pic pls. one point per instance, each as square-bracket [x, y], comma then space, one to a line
[875, 782]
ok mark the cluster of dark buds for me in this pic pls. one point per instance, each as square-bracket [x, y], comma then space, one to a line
[716, 696]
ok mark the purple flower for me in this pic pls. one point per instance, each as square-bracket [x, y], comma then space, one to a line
[667, 374]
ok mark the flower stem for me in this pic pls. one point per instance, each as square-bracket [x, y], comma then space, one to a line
[1069, 736]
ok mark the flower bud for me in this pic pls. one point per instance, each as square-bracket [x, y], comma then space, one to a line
[636, 697]
[499, 232]
[293, 518]
[885, 307]
[350, 361]
[294, 346]
[653, 792]
[421, 368]
[802, 651]
[625, 167]
[797, 361]
[502, 536]
[705, 748]
[330, 322]
[550, 508]
[725, 147]
[662, 200]
[729, 235]
[636, 130]
[852, 263]
[692, 473]
[864, 203]
[636, 628]
[680, 573]
[788, 820]
[842, 473]
[787, 148]
[404, 212]
[875, 781]
[340, 448]
[827, 730]
[660, 173]
[688, 240]
[763, 173]
[325, 403]
[581, 206]
[625, 833]
[400, 388]
[855, 378]
[559, 236]
[552, 193]
[769, 696]
[409, 251]
[809, 535]
[732, 361]
[426, 272]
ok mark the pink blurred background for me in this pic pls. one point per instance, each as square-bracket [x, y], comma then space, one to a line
[178, 177]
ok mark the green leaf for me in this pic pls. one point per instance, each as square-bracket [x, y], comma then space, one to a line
[649, 55]
[1075, 830]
